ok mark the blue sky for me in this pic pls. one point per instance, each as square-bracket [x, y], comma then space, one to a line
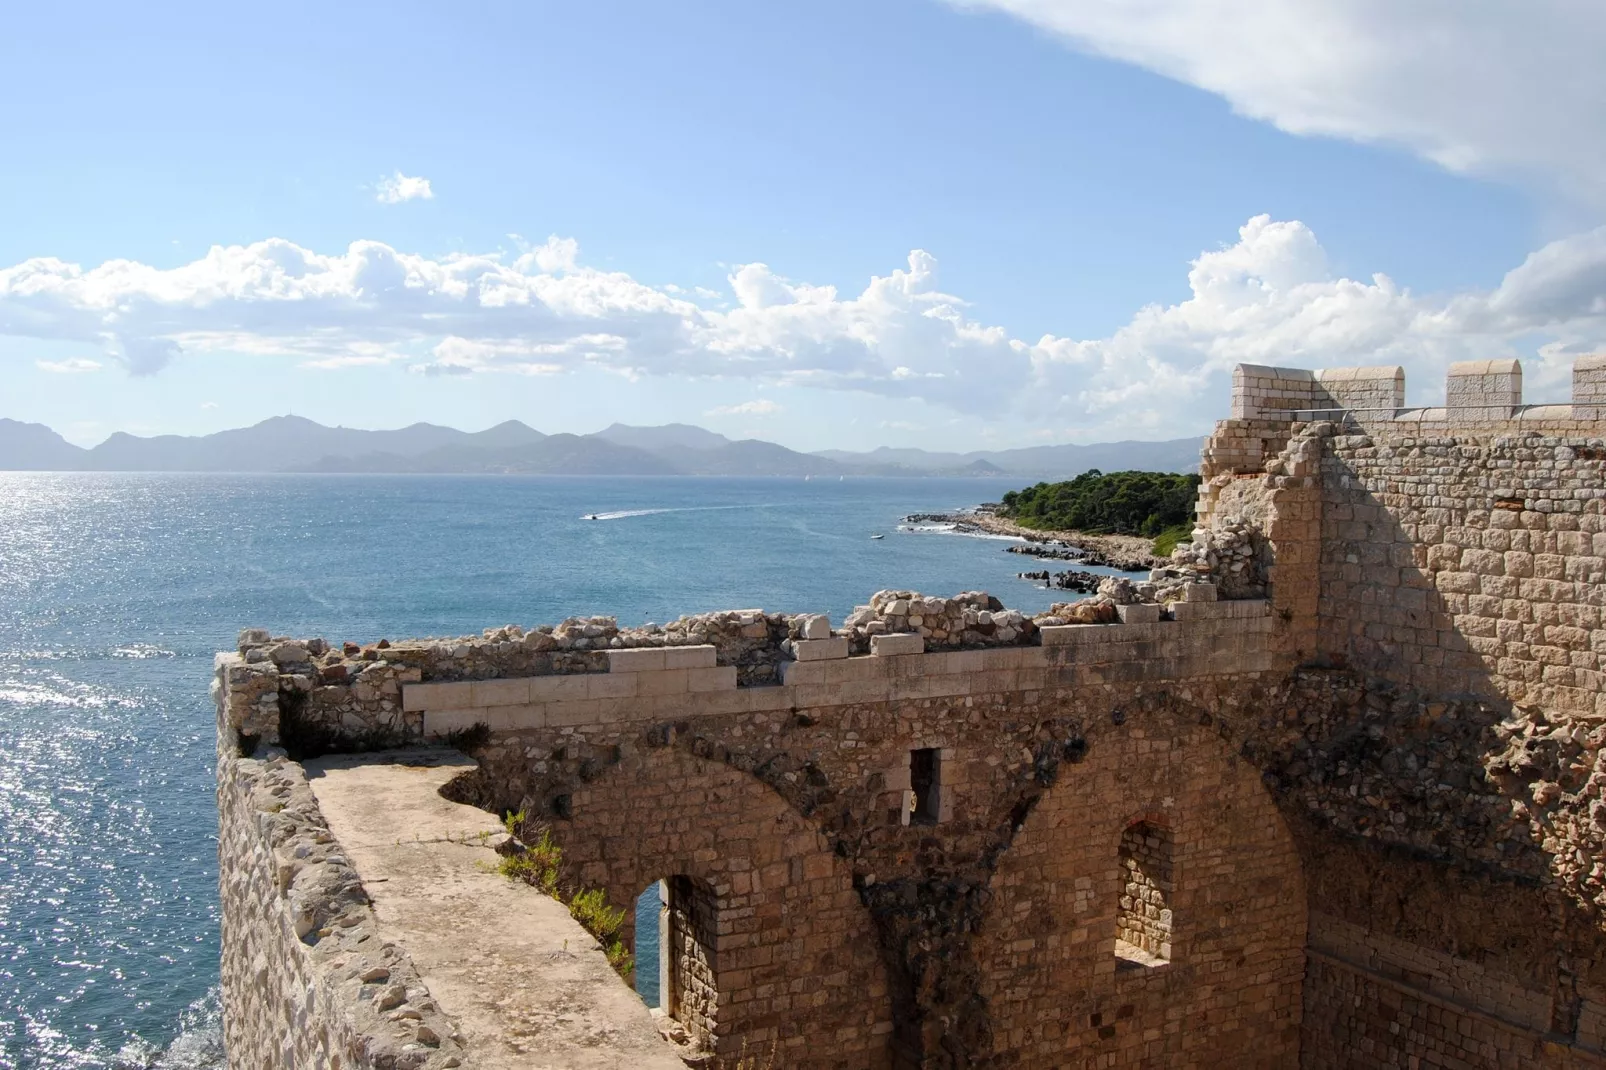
[710, 168]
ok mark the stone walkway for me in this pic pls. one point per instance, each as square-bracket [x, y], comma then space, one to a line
[528, 988]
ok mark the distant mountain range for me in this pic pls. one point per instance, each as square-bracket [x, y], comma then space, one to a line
[294, 444]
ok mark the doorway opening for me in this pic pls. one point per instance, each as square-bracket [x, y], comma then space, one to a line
[676, 963]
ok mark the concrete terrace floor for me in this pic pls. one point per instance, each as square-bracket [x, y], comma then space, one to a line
[528, 988]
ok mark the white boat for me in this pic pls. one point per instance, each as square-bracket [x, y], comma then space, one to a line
[878, 536]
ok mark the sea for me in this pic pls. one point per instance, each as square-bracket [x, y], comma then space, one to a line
[116, 589]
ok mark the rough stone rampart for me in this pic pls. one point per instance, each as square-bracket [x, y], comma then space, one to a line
[306, 980]
[1356, 819]
[1443, 560]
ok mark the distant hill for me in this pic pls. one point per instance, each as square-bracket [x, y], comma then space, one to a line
[550, 455]
[296, 444]
[36, 447]
[1171, 455]
[663, 437]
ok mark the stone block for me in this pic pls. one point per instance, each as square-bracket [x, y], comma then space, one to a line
[1139, 613]
[436, 696]
[438, 723]
[499, 692]
[1589, 387]
[1483, 389]
[567, 714]
[889, 645]
[1186, 611]
[1198, 592]
[817, 626]
[557, 688]
[820, 649]
[690, 657]
[715, 678]
[666, 682]
[1069, 634]
[648, 659]
[600, 685]
[802, 674]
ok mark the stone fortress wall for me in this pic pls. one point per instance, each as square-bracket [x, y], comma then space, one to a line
[1357, 822]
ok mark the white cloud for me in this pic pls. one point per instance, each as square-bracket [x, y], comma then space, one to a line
[759, 407]
[1503, 89]
[208, 405]
[1269, 297]
[399, 187]
[558, 254]
[70, 366]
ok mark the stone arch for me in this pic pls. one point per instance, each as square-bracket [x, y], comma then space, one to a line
[794, 954]
[1230, 994]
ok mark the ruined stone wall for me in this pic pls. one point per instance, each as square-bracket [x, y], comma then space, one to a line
[1454, 578]
[305, 981]
[838, 914]
[1382, 783]
[1469, 560]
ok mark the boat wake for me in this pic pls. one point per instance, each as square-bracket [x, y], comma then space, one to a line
[623, 514]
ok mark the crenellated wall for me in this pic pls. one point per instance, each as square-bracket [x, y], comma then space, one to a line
[1357, 822]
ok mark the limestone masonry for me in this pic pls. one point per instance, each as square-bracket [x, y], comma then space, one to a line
[1324, 791]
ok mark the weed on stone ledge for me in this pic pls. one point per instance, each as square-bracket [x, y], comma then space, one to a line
[541, 865]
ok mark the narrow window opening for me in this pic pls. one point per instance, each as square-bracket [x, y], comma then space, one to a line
[1143, 930]
[675, 932]
[925, 783]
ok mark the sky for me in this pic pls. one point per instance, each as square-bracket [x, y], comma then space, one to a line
[955, 224]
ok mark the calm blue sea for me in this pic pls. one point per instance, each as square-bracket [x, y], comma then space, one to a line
[115, 589]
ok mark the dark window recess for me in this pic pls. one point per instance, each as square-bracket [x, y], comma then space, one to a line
[925, 781]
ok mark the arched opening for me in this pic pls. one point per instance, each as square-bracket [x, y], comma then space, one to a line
[1143, 922]
[676, 924]
[758, 902]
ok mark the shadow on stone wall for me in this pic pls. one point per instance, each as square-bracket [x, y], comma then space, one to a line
[1430, 809]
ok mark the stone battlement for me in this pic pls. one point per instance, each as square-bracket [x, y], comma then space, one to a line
[1475, 391]
[1355, 816]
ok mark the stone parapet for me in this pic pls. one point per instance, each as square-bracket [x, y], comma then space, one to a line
[1483, 389]
[1262, 392]
[1589, 387]
[1207, 638]
[1477, 392]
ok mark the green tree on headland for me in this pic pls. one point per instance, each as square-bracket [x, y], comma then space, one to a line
[1120, 503]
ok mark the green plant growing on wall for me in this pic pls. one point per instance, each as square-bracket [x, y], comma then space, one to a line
[541, 865]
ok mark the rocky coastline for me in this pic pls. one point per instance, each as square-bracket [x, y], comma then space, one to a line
[1129, 553]
[1072, 580]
